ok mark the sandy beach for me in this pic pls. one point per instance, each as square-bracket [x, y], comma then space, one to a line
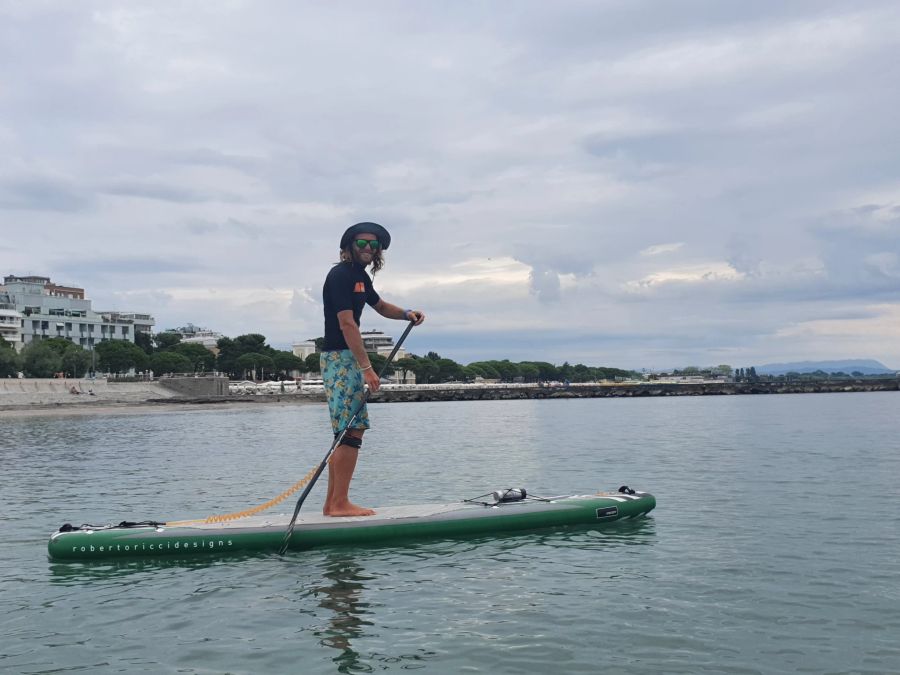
[37, 398]
[140, 408]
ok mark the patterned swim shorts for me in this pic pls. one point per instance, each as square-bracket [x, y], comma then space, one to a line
[344, 389]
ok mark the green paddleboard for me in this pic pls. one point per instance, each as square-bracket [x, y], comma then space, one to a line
[392, 523]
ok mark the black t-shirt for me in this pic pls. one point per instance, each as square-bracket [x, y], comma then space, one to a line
[347, 286]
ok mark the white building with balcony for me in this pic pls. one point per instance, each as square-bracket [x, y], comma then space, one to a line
[194, 335]
[376, 341]
[10, 323]
[304, 348]
[48, 310]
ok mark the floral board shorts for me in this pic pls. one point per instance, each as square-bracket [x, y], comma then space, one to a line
[344, 389]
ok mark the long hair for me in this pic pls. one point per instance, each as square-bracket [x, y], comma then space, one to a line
[377, 259]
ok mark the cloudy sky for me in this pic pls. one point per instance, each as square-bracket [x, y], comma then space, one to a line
[616, 182]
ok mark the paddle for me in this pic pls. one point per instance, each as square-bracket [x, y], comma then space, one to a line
[337, 442]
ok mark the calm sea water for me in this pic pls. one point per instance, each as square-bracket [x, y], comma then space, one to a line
[774, 548]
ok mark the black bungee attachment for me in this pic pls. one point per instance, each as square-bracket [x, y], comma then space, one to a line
[125, 524]
[505, 496]
[510, 495]
[626, 490]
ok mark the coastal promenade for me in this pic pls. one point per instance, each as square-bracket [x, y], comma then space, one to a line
[36, 394]
[54, 392]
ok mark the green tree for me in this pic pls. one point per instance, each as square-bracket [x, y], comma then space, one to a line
[485, 370]
[286, 362]
[166, 340]
[4, 344]
[10, 362]
[76, 362]
[311, 363]
[229, 352]
[119, 356]
[469, 374]
[266, 365]
[59, 344]
[581, 373]
[546, 371]
[200, 357]
[40, 360]
[378, 361]
[405, 366]
[246, 365]
[426, 371]
[449, 370]
[529, 371]
[255, 364]
[170, 362]
[145, 341]
[252, 342]
[508, 370]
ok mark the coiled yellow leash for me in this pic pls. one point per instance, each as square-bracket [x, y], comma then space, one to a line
[225, 517]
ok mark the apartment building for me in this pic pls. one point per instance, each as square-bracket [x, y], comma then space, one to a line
[10, 322]
[380, 343]
[49, 310]
[373, 340]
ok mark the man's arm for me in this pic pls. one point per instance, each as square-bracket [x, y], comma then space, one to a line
[389, 311]
[355, 343]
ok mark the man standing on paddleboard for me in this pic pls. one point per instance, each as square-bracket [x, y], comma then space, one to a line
[345, 364]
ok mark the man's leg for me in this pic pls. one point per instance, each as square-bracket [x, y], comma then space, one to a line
[340, 473]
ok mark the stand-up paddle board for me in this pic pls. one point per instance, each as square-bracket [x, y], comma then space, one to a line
[505, 511]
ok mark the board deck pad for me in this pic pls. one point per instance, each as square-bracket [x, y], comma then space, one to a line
[264, 533]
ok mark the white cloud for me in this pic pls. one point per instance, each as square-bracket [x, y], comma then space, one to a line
[658, 249]
[690, 274]
[883, 326]
[773, 51]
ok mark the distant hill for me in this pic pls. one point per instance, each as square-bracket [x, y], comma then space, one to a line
[864, 366]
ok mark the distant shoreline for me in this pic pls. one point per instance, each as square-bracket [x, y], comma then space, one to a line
[430, 393]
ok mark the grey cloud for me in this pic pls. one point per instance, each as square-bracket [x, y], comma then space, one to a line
[100, 267]
[163, 192]
[201, 227]
[861, 249]
[43, 194]
[544, 284]
[216, 158]
[301, 304]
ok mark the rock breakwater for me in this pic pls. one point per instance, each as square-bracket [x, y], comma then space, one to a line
[495, 392]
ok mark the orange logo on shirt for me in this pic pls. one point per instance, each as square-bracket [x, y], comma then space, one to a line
[359, 288]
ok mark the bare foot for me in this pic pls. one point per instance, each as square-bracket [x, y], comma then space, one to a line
[347, 509]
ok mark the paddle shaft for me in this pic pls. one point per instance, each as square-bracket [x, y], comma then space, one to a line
[337, 441]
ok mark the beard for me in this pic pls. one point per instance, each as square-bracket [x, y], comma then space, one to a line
[360, 259]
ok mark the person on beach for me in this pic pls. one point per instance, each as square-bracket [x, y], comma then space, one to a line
[346, 368]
